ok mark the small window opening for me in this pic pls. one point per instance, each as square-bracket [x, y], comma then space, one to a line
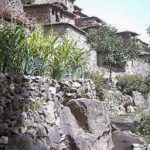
[57, 17]
[53, 11]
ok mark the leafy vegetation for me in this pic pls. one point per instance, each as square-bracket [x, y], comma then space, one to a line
[36, 53]
[129, 83]
[100, 82]
[114, 50]
[143, 127]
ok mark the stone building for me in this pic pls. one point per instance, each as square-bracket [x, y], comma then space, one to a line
[78, 12]
[142, 64]
[60, 15]
[68, 20]
[86, 23]
[71, 32]
[50, 11]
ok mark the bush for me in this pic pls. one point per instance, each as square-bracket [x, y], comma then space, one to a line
[100, 82]
[36, 53]
[129, 83]
[143, 128]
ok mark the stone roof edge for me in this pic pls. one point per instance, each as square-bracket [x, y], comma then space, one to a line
[131, 32]
[66, 24]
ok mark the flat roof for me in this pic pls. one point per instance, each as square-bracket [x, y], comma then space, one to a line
[77, 8]
[93, 17]
[66, 24]
[130, 32]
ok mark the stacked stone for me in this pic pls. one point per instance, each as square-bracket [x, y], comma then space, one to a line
[37, 113]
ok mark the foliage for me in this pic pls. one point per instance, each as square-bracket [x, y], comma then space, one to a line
[114, 50]
[143, 127]
[129, 83]
[12, 47]
[36, 53]
[68, 60]
[100, 83]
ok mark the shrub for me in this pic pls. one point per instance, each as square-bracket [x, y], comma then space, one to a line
[129, 83]
[100, 82]
[143, 128]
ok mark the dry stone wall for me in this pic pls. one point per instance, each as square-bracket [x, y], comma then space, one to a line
[41, 114]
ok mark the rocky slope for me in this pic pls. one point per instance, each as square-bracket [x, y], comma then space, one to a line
[41, 114]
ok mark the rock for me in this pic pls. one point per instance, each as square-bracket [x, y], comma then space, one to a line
[130, 109]
[148, 147]
[70, 95]
[92, 118]
[4, 140]
[54, 138]
[12, 87]
[23, 129]
[88, 95]
[33, 116]
[41, 131]
[138, 99]
[50, 112]
[1, 110]
[148, 99]
[76, 85]
[121, 113]
[22, 118]
[137, 146]
[52, 89]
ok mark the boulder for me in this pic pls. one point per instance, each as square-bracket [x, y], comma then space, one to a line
[91, 129]
[37, 113]
[138, 99]
[130, 109]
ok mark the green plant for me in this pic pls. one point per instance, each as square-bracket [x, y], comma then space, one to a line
[36, 53]
[68, 60]
[143, 128]
[129, 83]
[114, 50]
[12, 47]
[100, 83]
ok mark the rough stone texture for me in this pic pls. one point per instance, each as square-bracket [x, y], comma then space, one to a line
[139, 66]
[42, 114]
[138, 99]
[69, 4]
[117, 103]
[48, 14]
[148, 98]
[94, 123]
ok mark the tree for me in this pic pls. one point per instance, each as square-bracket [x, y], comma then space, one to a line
[114, 50]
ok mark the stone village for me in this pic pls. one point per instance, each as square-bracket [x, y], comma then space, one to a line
[68, 20]
[38, 113]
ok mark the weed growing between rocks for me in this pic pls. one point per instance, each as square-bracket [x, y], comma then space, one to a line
[142, 127]
[101, 84]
